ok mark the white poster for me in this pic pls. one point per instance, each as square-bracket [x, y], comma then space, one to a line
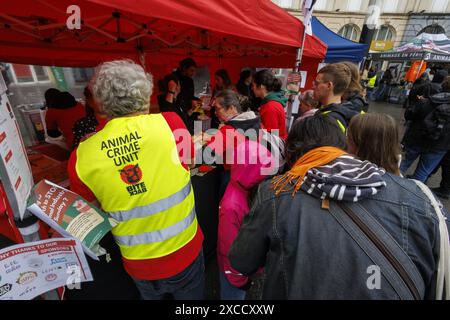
[320, 66]
[13, 159]
[304, 74]
[31, 269]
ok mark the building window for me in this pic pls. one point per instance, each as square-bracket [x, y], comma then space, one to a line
[320, 5]
[433, 29]
[22, 73]
[284, 3]
[390, 6]
[82, 75]
[439, 6]
[385, 33]
[41, 73]
[349, 31]
[354, 5]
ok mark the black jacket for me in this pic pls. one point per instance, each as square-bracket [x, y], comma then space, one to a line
[244, 89]
[166, 106]
[357, 103]
[387, 77]
[426, 88]
[187, 92]
[415, 132]
[342, 112]
[251, 123]
[247, 91]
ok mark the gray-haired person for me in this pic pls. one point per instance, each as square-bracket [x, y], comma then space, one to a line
[308, 106]
[129, 168]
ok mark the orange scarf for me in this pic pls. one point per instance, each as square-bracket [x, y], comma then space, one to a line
[314, 158]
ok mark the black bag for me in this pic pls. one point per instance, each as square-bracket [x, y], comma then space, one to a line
[437, 122]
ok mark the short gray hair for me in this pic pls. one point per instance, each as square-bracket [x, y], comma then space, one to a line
[308, 98]
[122, 87]
[227, 99]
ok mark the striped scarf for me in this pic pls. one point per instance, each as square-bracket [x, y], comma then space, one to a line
[314, 158]
[339, 176]
[344, 179]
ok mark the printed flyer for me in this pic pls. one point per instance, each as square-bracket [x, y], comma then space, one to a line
[15, 169]
[31, 269]
[70, 215]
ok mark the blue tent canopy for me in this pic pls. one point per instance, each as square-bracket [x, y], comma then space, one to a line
[339, 48]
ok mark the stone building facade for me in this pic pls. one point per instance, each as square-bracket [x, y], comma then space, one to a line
[400, 20]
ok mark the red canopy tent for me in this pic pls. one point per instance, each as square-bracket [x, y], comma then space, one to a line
[227, 34]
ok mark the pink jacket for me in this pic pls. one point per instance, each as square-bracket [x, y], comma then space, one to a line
[246, 173]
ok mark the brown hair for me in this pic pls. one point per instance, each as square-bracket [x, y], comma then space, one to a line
[355, 82]
[339, 75]
[376, 138]
[446, 84]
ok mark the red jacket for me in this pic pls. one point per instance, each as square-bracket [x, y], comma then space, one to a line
[273, 117]
[64, 120]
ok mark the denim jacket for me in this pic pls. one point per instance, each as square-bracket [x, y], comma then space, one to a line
[307, 254]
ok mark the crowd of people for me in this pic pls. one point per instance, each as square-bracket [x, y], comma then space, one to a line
[427, 134]
[313, 208]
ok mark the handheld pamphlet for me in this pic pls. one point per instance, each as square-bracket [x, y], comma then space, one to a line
[70, 215]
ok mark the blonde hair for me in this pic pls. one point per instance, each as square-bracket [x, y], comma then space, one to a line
[339, 74]
[355, 82]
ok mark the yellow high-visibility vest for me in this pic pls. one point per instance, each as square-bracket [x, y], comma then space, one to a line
[371, 82]
[133, 169]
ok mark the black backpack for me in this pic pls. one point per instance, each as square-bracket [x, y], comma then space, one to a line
[437, 123]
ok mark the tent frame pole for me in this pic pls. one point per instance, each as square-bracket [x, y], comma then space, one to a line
[298, 63]
[300, 50]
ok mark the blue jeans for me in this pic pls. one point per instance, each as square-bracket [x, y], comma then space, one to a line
[189, 284]
[428, 161]
[382, 92]
[228, 291]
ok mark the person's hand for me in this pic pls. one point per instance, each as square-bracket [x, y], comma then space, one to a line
[197, 138]
[247, 286]
[172, 86]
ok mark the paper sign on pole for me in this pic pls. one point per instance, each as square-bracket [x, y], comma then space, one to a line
[295, 81]
[31, 269]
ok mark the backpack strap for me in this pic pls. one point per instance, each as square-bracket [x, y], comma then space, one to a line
[443, 276]
[397, 267]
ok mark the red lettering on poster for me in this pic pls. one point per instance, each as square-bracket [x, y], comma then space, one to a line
[8, 156]
[18, 183]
